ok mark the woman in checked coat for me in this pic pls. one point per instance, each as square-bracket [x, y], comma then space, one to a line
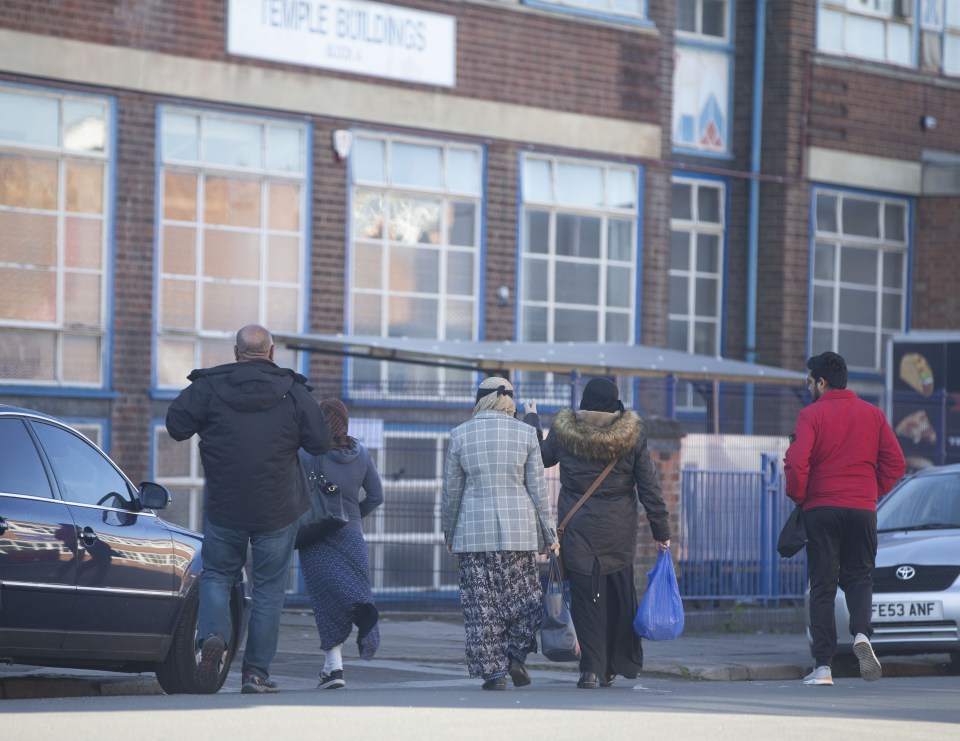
[496, 517]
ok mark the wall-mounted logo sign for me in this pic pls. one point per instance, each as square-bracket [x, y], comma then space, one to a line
[347, 35]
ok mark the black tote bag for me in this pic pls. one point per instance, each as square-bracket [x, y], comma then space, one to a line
[326, 513]
[793, 537]
[558, 639]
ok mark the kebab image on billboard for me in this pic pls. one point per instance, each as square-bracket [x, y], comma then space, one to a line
[916, 372]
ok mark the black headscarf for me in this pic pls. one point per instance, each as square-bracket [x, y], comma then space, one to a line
[601, 395]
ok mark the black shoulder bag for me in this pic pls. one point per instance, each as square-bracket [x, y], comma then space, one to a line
[327, 512]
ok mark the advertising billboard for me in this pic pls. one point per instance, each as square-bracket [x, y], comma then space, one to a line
[923, 392]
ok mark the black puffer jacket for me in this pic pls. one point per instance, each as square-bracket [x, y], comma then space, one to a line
[603, 532]
[252, 418]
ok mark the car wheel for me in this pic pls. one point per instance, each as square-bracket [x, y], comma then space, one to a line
[177, 674]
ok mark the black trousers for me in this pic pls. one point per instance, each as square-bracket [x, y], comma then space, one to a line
[841, 551]
[604, 623]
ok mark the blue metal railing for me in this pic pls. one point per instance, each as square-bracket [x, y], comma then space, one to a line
[730, 521]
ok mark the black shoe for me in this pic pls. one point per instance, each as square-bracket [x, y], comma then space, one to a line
[500, 683]
[518, 673]
[254, 684]
[607, 681]
[211, 657]
[332, 680]
[587, 681]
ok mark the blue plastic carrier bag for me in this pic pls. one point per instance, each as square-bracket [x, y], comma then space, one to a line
[660, 615]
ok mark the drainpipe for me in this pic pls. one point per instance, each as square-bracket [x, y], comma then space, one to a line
[756, 125]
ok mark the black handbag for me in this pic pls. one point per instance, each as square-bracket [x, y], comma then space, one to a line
[558, 638]
[327, 512]
[793, 537]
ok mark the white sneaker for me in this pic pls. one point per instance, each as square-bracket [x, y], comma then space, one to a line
[820, 675]
[870, 668]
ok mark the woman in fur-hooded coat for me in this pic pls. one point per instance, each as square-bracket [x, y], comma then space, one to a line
[600, 541]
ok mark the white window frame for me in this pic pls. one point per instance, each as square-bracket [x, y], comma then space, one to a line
[60, 327]
[191, 483]
[841, 240]
[890, 13]
[605, 213]
[697, 33]
[600, 8]
[687, 399]
[449, 384]
[714, 59]
[378, 535]
[205, 339]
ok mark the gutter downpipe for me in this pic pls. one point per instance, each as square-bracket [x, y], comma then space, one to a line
[753, 238]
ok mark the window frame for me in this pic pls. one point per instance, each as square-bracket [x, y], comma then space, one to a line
[61, 327]
[882, 245]
[698, 34]
[204, 171]
[586, 10]
[686, 395]
[606, 213]
[846, 9]
[450, 385]
[704, 47]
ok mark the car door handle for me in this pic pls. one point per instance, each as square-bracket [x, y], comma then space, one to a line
[88, 536]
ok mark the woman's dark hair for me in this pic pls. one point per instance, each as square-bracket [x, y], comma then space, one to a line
[830, 367]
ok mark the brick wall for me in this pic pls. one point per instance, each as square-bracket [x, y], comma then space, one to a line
[663, 442]
[936, 264]
[549, 60]
[133, 282]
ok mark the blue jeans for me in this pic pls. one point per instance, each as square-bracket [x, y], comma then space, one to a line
[224, 554]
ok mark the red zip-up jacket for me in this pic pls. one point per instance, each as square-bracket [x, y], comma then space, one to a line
[844, 454]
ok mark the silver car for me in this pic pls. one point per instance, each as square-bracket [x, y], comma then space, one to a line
[916, 589]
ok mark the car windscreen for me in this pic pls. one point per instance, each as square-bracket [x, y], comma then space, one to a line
[922, 503]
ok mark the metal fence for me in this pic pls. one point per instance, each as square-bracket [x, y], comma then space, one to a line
[730, 521]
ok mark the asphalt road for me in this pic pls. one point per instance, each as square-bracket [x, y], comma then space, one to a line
[436, 702]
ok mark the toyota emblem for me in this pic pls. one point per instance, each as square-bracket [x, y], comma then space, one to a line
[906, 572]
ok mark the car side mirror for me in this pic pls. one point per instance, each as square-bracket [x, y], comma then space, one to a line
[153, 496]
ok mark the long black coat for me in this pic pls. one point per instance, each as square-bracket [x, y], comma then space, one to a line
[603, 532]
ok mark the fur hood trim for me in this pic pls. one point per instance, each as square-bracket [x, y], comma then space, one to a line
[597, 444]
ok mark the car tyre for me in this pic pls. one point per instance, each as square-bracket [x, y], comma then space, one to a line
[178, 673]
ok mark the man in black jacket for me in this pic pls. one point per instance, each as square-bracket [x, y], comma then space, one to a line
[252, 417]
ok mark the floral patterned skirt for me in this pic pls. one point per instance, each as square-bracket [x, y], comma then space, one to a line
[501, 597]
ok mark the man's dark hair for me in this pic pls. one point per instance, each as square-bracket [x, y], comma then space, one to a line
[831, 367]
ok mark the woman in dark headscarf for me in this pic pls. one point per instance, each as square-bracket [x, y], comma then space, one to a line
[600, 541]
[335, 568]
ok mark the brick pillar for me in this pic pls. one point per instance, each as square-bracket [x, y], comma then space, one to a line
[663, 442]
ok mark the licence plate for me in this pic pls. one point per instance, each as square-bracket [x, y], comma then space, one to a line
[907, 611]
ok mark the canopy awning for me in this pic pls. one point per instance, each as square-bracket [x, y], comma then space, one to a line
[588, 358]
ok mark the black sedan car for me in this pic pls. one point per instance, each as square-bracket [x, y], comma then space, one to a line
[90, 576]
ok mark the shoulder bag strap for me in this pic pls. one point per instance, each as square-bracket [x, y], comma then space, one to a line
[585, 497]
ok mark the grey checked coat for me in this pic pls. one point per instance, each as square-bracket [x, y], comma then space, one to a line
[494, 490]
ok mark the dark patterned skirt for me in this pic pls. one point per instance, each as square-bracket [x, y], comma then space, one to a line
[337, 575]
[501, 597]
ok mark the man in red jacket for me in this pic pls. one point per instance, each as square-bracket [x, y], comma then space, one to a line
[842, 458]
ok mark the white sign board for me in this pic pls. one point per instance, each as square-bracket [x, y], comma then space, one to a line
[347, 35]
